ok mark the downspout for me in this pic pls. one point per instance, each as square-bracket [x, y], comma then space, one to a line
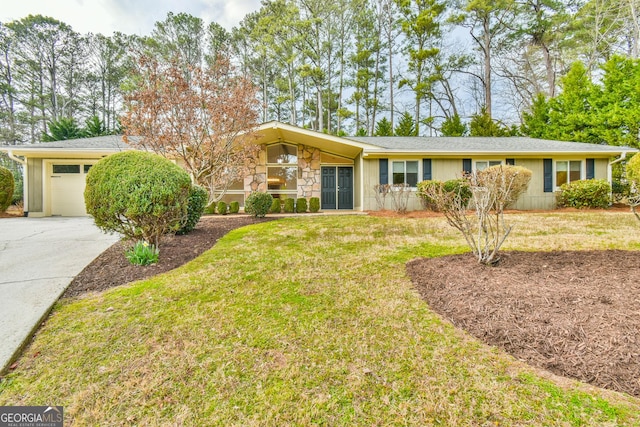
[25, 182]
[623, 156]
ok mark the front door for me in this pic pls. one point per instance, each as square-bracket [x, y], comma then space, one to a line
[337, 187]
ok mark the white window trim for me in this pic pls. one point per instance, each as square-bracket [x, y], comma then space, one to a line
[288, 191]
[583, 171]
[488, 161]
[390, 171]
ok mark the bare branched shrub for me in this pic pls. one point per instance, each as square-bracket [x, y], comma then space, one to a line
[381, 192]
[400, 194]
[484, 227]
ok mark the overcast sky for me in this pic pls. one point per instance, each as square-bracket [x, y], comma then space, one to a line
[127, 16]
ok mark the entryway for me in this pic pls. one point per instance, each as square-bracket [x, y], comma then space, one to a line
[337, 187]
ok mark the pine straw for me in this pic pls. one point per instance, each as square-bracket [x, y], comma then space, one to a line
[573, 313]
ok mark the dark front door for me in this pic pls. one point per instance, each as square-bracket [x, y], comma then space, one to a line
[329, 200]
[337, 187]
[345, 187]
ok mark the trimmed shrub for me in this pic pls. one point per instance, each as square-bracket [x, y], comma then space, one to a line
[137, 194]
[506, 183]
[276, 207]
[222, 208]
[211, 209]
[458, 187]
[428, 187]
[289, 205]
[314, 204]
[591, 193]
[6, 188]
[198, 198]
[234, 207]
[301, 205]
[258, 204]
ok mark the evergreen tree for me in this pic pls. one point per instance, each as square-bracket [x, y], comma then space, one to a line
[483, 125]
[406, 125]
[64, 128]
[383, 128]
[453, 126]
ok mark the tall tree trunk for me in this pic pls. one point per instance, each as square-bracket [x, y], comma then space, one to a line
[486, 38]
[551, 74]
[391, 82]
[635, 37]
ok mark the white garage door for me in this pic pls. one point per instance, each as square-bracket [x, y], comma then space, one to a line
[67, 189]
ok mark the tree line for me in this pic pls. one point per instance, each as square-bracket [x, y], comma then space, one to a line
[561, 69]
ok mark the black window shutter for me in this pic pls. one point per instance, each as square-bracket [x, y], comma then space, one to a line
[466, 165]
[426, 169]
[591, 168]
[548, 175]
[510, 162]
[384, 171]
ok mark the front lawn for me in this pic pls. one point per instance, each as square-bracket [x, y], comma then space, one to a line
[308, 320]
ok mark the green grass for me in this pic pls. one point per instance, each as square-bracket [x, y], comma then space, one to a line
[306, 321]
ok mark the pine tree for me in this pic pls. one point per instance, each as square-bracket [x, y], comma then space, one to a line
[406, 125]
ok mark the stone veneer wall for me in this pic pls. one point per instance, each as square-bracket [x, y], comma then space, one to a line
[308, 179]
[309, 166]
[256, 174]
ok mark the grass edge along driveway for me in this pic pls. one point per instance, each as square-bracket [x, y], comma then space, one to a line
[306, 321]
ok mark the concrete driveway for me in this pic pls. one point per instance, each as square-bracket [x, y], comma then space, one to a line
[39, 257]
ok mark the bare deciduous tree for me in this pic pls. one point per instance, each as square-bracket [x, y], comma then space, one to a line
[204, 117]
[493, 190]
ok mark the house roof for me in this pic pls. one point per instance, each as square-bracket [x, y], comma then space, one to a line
[281, 132]
[103, 145]
[484, 145]
[348, 146]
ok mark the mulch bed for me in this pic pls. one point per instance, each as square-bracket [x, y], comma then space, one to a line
[111, 268]
[576, 314]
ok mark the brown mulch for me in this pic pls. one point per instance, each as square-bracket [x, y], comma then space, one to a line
[576, 314]
[111, 268]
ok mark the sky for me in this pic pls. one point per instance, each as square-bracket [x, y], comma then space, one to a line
[127, 16]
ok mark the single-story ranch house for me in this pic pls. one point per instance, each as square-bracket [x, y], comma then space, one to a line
[341, 171]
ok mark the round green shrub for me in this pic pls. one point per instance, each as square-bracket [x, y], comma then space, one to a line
[258, 204]
[137, 194]
[633, 170]
[424, 188]
[460, 187]
[198, 198]
[314, 204]
[6, 188]
[222, 208]
[591, 193]
[289, 205]
[276, 207]
[301, 205]
[211, 209]
[234, 207]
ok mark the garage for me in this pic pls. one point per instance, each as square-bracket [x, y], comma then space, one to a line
[67, 182]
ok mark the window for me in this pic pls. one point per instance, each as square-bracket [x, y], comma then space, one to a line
[86, 168]
[405, 173]
[568, 171]
[66, 168]
[282, 169]
[282, 154]
[482, 165]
